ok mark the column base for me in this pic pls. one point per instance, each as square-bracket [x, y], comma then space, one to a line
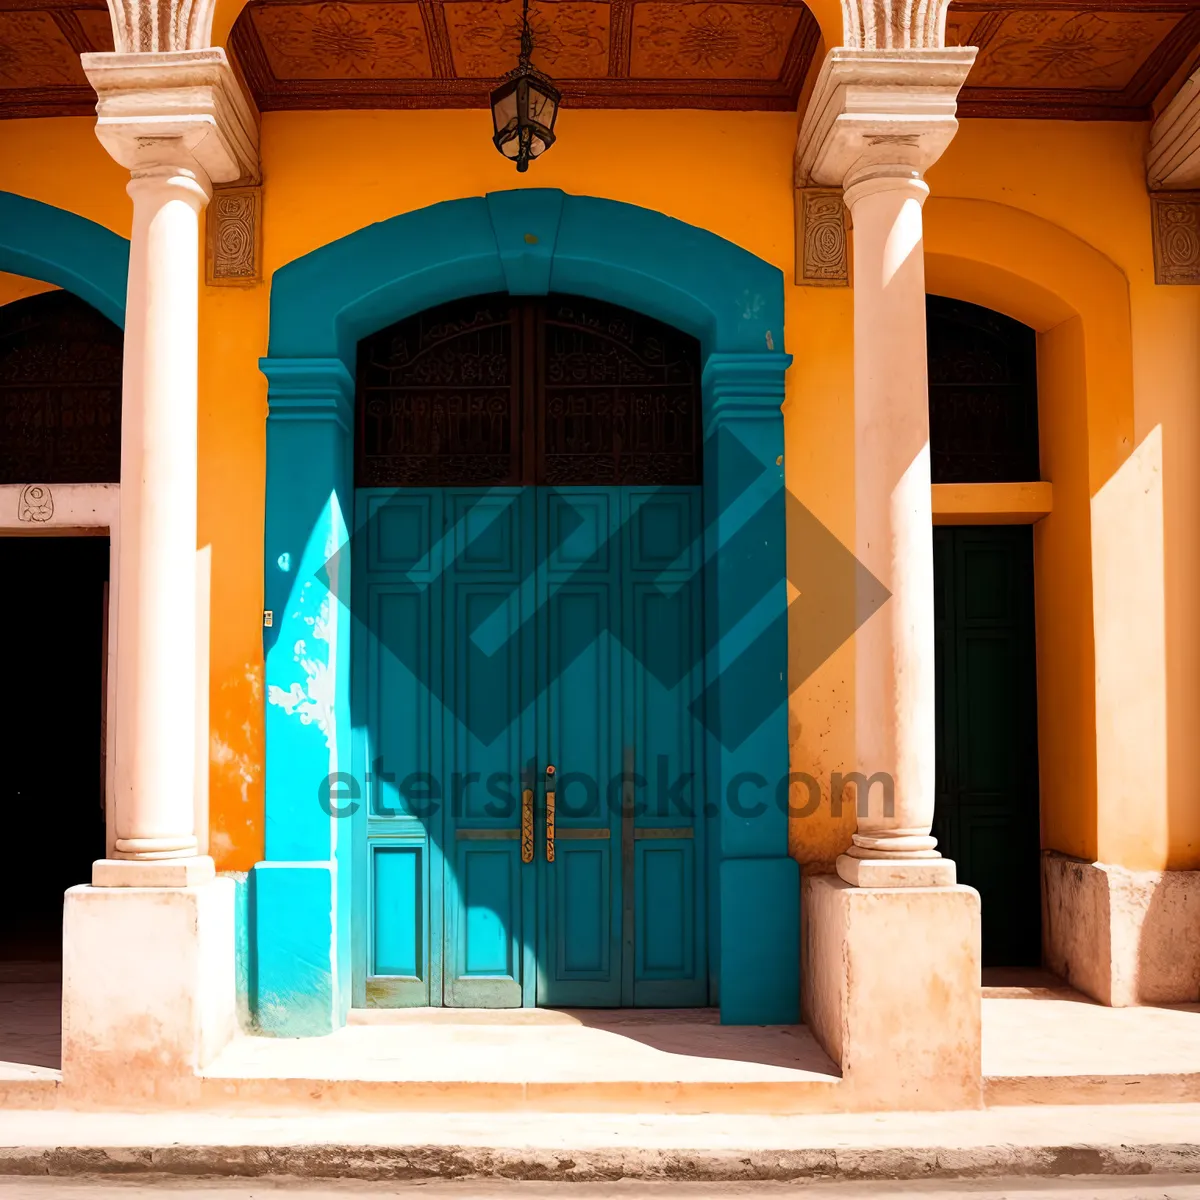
[891, 990]
[896, 873]
[1123, 937]
[153, 872]
[148, 990]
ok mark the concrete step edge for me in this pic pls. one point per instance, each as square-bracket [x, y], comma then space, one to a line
[592, 1164]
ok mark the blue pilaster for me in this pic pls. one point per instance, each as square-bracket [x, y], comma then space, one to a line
[746, 697]
[302, 889]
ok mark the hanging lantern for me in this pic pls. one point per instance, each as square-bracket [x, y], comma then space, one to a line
[524, 106]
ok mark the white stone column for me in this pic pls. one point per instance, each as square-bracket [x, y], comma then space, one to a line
[876, 121]
[179, 123]
[149, 992]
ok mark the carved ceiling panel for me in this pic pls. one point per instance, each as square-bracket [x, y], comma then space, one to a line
[1073, 59]
[40, 45]
[570, 40]
[1102, 61]
[601, 53]
[344, 41]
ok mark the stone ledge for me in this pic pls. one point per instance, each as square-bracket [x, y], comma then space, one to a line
[1115, 1140]
[1122, 937]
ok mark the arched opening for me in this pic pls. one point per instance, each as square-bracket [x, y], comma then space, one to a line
[529, 666]
[60, 449]
[983, 419]
[536, 242]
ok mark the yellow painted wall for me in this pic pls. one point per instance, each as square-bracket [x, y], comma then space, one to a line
[1086, 181]
[17, 287]
[1062, 241]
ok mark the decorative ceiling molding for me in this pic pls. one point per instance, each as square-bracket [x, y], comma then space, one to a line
[1075, 60]
[727, 54]
[1055, 59]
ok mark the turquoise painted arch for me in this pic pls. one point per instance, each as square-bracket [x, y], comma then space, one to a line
[47, 243]
[526, 242]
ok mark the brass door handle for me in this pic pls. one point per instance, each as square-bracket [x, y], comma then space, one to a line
[550, 813]
[527, 825]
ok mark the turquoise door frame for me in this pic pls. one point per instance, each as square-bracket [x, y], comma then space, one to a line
[526, 242]
[47, 243]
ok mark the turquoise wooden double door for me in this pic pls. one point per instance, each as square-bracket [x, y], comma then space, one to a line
[528, 666]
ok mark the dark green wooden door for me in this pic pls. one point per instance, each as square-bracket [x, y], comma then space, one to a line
[986, 815]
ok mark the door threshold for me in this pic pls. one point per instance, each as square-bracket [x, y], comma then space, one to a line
[606, 1017]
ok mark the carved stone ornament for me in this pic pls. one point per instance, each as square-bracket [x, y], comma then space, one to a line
[139, 26]
[185, 108]
[1175, 220]
[894, 24]
[822, 258]
[233, 251]
[879, 112]
[35, 504]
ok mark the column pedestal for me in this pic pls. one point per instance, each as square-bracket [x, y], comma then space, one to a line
[891, 990]
[148, 990]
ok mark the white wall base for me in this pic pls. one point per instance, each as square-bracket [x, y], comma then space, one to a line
[1122, 937]
[891, 989]
[148, 990]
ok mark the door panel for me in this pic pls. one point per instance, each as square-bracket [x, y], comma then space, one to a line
[986, 809]
[579, 729]
[477, 671]
[489, 659]
[665, 847]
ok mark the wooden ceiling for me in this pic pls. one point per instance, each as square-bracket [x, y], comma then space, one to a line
[40, 45]
[1072, 59]
[601, 53]
[1078, 60]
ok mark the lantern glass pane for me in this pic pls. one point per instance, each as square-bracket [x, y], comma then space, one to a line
[504, 110]
[542, 108]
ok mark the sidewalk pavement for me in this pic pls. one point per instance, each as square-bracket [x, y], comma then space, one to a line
[1042, 1140]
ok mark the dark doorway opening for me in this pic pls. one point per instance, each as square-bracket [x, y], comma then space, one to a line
[983, 428]
[51, 732]
[986, 807]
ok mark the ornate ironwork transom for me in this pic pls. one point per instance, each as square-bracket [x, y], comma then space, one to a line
[983, 419]
[507, 390]
[60, 392]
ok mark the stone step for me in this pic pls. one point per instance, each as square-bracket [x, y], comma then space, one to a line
[24, 1086]
[632, 1062]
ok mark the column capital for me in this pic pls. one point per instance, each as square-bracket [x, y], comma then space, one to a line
[180, 108]
[1173, 159]
[880, 113]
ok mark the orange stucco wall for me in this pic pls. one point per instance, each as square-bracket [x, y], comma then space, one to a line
[1046, 221]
